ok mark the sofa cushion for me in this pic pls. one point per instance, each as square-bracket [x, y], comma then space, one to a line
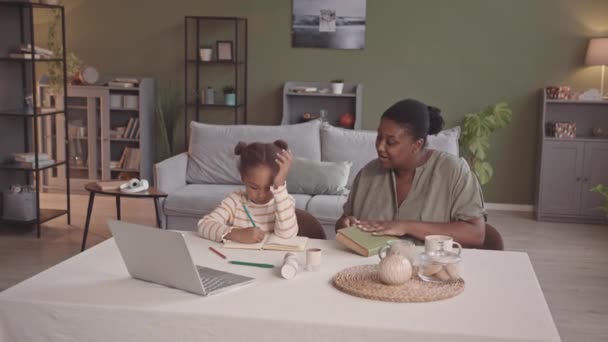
[197, 200]
[318, 177]
[359, 147]
[211, 158]
[446, 141]
[339, 144]
[326, 208]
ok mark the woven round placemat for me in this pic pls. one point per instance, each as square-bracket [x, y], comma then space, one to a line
[362, 281]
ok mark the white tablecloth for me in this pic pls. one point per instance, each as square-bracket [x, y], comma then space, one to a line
[91, 297]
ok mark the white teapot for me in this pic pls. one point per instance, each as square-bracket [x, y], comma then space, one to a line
[395, 267]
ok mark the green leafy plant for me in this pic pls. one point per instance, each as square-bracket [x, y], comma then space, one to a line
[602, 190]
[337, 81]
[169, 113]
[228, 90]
[73, 63]
[477, 128]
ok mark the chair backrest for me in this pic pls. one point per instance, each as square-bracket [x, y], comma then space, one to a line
[493, 239]
[309, 226]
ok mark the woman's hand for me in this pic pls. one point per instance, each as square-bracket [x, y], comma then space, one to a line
[395, 228]
[346, 221]
[284, 159]
[246, 235]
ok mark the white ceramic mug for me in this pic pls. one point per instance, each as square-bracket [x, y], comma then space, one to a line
[405, 248]
[438, 243]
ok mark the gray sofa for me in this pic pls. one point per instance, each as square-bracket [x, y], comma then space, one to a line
[198, 180]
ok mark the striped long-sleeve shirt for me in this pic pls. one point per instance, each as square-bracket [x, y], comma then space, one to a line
[278, 216]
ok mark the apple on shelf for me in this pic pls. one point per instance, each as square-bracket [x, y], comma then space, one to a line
[347, 120]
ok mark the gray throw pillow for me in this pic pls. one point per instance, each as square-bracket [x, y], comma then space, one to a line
[318, 177]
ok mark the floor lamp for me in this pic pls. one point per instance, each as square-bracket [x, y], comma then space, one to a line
[597, 54]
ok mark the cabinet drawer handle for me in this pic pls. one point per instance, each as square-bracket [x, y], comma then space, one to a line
[578, 179]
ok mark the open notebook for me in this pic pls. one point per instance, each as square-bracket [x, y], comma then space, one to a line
[273, 243]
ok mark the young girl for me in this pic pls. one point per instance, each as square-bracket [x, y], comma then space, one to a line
[263, 169]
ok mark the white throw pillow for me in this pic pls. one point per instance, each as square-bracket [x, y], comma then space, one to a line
[446, 141]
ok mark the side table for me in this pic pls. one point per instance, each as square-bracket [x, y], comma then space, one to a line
[93, 189]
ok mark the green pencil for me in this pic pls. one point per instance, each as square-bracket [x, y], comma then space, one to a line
[249, 215]
[251, 264]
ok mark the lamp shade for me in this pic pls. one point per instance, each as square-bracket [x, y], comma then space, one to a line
[597, 52]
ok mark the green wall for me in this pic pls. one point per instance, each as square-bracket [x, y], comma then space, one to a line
[457, 55]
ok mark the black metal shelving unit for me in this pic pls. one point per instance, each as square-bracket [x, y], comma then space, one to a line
[194, 67]
[31, 124]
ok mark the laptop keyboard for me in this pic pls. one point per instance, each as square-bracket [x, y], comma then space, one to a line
[214, 280]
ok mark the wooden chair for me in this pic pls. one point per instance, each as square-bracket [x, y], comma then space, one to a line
[493, 239]
[309, 226]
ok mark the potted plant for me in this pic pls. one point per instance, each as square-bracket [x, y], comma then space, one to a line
[602, 190]
[55, 69]
[337, 86]
[205, 53]
[229, 96]
[169, 114]
[477, 128]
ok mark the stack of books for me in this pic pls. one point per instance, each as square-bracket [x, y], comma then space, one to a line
[132, 130]
[25, 52]
[28, 160]
[124, 83]
[130, 159]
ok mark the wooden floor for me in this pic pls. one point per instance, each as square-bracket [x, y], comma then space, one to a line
[571, 261]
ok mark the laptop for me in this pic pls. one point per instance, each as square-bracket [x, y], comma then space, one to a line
[162, 257]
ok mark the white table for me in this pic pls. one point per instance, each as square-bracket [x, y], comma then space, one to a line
[91, 297]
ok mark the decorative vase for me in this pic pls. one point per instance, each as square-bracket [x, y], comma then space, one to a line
[210, 96]
[337, 88]
[205, 54]
[394, 269]
[230, 99]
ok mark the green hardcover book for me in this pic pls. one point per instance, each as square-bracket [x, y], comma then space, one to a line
[360, 242]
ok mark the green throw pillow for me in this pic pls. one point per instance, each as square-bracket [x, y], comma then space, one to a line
[318, 177]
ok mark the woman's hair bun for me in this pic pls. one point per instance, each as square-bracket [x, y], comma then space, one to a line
[435, 120]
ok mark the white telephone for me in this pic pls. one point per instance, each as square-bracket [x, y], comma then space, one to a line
[134, 185]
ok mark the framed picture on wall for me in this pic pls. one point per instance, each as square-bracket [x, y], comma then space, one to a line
[224, 50]
[329, 24]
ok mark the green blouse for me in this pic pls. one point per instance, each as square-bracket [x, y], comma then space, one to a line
[443, 190]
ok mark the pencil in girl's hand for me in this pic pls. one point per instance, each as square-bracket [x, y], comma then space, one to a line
[217, 252]
[249, 215]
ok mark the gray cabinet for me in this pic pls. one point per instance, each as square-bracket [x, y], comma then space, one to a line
[569, 168]
[560, 192]
[595, 172]
[105, 125]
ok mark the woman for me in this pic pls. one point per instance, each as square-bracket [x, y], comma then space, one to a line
[412, 191]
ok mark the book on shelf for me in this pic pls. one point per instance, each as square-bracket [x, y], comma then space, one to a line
[130, 158]
[27, 56]
[360, 242]
[127, 80]
[30, 165]
[37, 49]
[30, 157]
[117, 84]
[134, 130]
[125, 135]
